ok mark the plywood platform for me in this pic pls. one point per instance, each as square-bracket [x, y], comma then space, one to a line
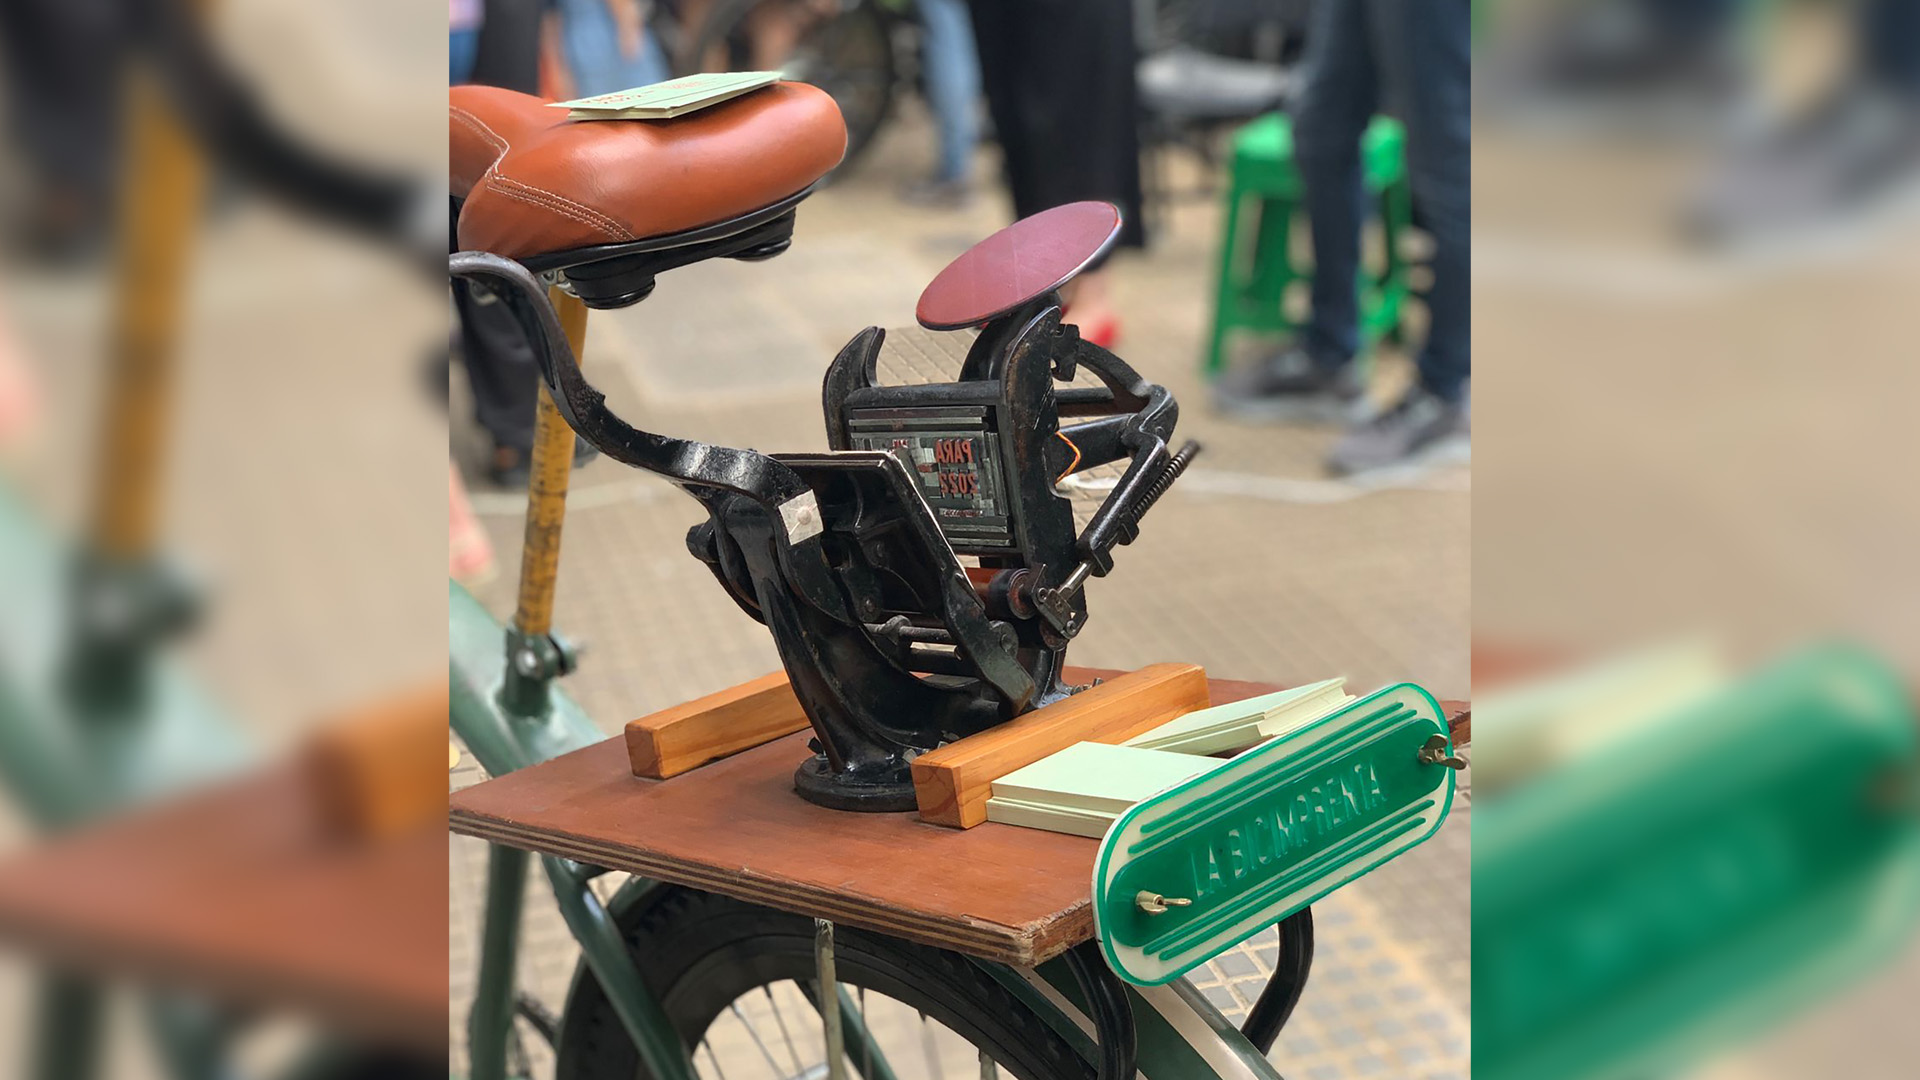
[244, 893]
[735, 827]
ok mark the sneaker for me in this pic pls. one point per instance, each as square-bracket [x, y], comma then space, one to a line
[1289, 386]
[1612, 67]
[1409, 432]
[1858, 151]
[938, 194]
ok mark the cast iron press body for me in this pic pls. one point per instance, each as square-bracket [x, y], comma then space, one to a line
[852, 558]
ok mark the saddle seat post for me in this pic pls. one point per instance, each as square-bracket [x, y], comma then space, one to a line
[534, 656]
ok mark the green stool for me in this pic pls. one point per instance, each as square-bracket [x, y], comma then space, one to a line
[1257, 263]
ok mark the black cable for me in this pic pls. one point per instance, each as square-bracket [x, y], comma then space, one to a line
[1108, 1007]
[1276, 1002]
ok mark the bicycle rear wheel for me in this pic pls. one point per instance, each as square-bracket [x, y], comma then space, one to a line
[732, 978]
[844, 47]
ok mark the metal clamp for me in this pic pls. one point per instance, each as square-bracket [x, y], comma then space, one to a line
[1154, 904]
[1435, 753]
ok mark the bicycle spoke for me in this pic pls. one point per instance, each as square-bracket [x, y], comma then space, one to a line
[780, 1018]
[935, 1068]
[988, 1070]
[867, 1042]
[755, 1036]
[718, 1072]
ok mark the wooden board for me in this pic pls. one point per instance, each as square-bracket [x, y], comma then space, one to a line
[735, 827]
[952, 783]
[244, 894]
[672, 741]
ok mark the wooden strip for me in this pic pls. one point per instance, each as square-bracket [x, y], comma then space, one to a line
[952, 783]
[380, 771]
[673, 741]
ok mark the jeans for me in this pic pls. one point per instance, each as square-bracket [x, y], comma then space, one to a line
[592, 48]
[1890, 42]
[952, 69]
[1410, 59]
[462, 47]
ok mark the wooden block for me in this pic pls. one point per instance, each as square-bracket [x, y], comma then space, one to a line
[672, 741]
[952, 783]
[378, 771]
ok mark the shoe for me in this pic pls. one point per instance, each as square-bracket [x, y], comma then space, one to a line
[1616, 67]
[1290, 386]
[938, 194]
[511, 467]
[1412, 431]
[1104, 332]
[1856, 152]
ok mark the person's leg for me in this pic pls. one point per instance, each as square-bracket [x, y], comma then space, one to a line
[953, 84]
[1827, 170]
[1890, 43]
[1691, 19]
[596, 56]
[1313, 379]
[1003, 46]
[499, 360]
[462, 46]
[1427, 69]
[1059, 81]
[1424, 51]
[508, 54]
[63, 60]
[500, 368]
[1337, 100]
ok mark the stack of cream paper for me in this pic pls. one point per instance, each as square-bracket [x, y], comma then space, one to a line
[1243, 724]
[1082, 789]
[665, 100]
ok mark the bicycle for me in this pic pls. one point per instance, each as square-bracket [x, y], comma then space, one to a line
[669, 970]
[97, 717]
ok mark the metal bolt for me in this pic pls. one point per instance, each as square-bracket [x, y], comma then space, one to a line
[527, 663]
[1154, 904]
[1435, 753]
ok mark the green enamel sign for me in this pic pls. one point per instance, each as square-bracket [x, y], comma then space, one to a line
[1202, 866]
[1693, 882]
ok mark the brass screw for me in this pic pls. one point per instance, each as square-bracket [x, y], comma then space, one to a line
[1435, 753]
[1154, 904]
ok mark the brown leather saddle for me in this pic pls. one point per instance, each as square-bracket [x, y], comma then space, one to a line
[613, 202]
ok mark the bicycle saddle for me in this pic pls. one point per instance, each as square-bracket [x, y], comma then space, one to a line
[612, 202]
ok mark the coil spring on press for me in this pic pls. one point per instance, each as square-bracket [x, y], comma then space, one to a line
[1168, 474]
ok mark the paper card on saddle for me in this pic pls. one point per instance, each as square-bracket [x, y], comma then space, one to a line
[1242, 724]
[1199, 868]
[665, 100]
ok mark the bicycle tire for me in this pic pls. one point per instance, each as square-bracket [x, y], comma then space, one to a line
[865, 97]
[699, 953]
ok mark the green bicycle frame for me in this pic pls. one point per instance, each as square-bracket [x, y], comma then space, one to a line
[1180, 1035]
